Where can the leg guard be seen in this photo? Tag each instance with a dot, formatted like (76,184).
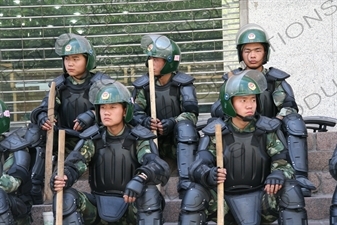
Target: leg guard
(6,216)
(38,175)
(150,207)
(296,134)
(71,214)
(193,206)
(333,208)
(292,204)
(187,139)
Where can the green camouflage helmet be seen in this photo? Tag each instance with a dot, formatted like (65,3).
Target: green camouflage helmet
(252,33)
(160,46)
(71,44)
(4,118)
(114,92)
(249,82)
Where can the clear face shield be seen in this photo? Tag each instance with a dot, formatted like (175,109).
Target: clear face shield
(157,46)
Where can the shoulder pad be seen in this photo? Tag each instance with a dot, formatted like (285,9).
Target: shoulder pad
(142,133)
(210,128)
(13,142)
(141,81)
(267,124)
(277,74)
(236,71)
(182,79)
(99,76)
(91,133)
(59,81)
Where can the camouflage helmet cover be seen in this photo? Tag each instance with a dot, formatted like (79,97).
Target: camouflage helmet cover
(108,92)
(4,118)
(71,44)
(249,82)
(252,33)
(160,46)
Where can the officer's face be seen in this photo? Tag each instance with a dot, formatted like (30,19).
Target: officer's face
(158,64)
(75,64)
(112,115)
(253,55)
(245,105)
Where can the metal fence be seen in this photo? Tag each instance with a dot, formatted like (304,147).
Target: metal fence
(204,29)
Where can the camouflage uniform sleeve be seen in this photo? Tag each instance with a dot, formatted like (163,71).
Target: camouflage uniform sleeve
(274,147)
(143,147)
(187,116)
(212,146)
(9,183)
(278,96)
(87,151)
(140,99)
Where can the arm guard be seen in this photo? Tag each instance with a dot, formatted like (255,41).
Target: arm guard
(20,167)
(156,169)
(189,99)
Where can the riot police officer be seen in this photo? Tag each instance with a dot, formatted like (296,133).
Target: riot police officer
(15,183)
(278,101)
(259,183)
(73,111)
(176,105)
(123,165)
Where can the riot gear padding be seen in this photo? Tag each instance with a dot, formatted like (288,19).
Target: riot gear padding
(114,93)
(193,206)
(252,33)
(20,167)
(249,82)
(71,44)
(333,208)
(251,200)
(156,169)
(160,46)
(292,204)
(4,118)
(70,203)
(6,216)
(150,207)
(333,165)
(187,143)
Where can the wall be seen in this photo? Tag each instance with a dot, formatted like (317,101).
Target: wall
(303,35)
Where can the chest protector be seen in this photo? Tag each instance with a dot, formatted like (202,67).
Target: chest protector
(246,161)
(168,102)
(114,164)
(74,98)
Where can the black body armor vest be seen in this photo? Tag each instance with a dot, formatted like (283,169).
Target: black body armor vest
(114,164)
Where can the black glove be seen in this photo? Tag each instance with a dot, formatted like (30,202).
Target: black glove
(42,118)
(168,125)
(212,178)
(276,177)
(135,187)
(147,122)
(86,119)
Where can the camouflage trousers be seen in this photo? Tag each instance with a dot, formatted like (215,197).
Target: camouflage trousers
(90,213)
(269,209)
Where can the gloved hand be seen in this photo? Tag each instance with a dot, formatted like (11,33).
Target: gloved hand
(86,119)
(42,118)
(276,177)
(147,122)
(168,125)
(135,187)
(213,177)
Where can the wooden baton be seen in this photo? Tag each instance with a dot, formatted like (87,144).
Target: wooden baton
(60,173)
(219,163)
(48,195)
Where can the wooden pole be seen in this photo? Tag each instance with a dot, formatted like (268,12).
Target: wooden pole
(219,163)
(60,173)
(48,195)
(152,95)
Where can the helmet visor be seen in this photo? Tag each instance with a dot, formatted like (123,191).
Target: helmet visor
(156,46)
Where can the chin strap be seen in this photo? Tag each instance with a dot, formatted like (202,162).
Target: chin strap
(246,118)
